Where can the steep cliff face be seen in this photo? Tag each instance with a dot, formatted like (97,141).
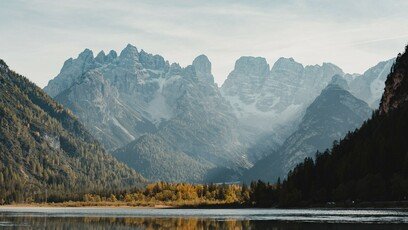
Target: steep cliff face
(43,146)
(253,89)
(396,86)
(117,100)
(178,111)
(202,68)
(245,81)
(71,71)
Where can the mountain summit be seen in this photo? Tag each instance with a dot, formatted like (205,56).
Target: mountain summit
(202,67)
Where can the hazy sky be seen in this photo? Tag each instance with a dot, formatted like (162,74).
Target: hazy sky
(37,36)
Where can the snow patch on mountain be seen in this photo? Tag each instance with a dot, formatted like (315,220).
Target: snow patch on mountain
(370,85)
(158,109)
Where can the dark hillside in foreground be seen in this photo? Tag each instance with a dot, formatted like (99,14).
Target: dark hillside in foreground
(45,150)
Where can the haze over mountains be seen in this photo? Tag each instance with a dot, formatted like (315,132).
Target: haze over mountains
(173,123)
(331,115)
(370,86)
(270,102)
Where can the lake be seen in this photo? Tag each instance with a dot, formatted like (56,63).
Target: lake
(146,218)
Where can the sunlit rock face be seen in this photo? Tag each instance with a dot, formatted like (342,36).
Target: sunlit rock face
(147,109)
(116,97)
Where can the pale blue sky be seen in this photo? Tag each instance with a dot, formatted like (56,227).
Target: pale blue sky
(37,36)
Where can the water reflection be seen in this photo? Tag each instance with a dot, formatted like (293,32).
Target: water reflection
(44,222)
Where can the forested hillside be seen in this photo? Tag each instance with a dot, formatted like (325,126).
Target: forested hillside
(45,151)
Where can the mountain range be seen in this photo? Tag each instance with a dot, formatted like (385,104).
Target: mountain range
(168,122)
(173,123)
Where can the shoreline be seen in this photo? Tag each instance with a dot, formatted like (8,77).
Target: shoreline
(61,205)
(159,206)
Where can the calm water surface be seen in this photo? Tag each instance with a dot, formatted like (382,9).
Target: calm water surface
(127,218)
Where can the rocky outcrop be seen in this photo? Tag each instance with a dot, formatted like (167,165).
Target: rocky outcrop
(396,86)
(71,71)
(202,68)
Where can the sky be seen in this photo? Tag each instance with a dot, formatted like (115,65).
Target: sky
(37,36)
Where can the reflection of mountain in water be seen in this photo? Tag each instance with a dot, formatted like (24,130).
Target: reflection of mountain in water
(122,223)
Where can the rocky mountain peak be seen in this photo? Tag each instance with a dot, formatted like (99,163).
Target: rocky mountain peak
(246,79)
(287,63)
(150,61)
(330,65)
(111,55)
(252,66)
(175,69)
(100,58)
(86,54)
(70,72)
(203,68)
(396,85)
(339,81)
(103,58)
(130,51)
(85,59)
(202,64)
(129,59)
(329,68)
